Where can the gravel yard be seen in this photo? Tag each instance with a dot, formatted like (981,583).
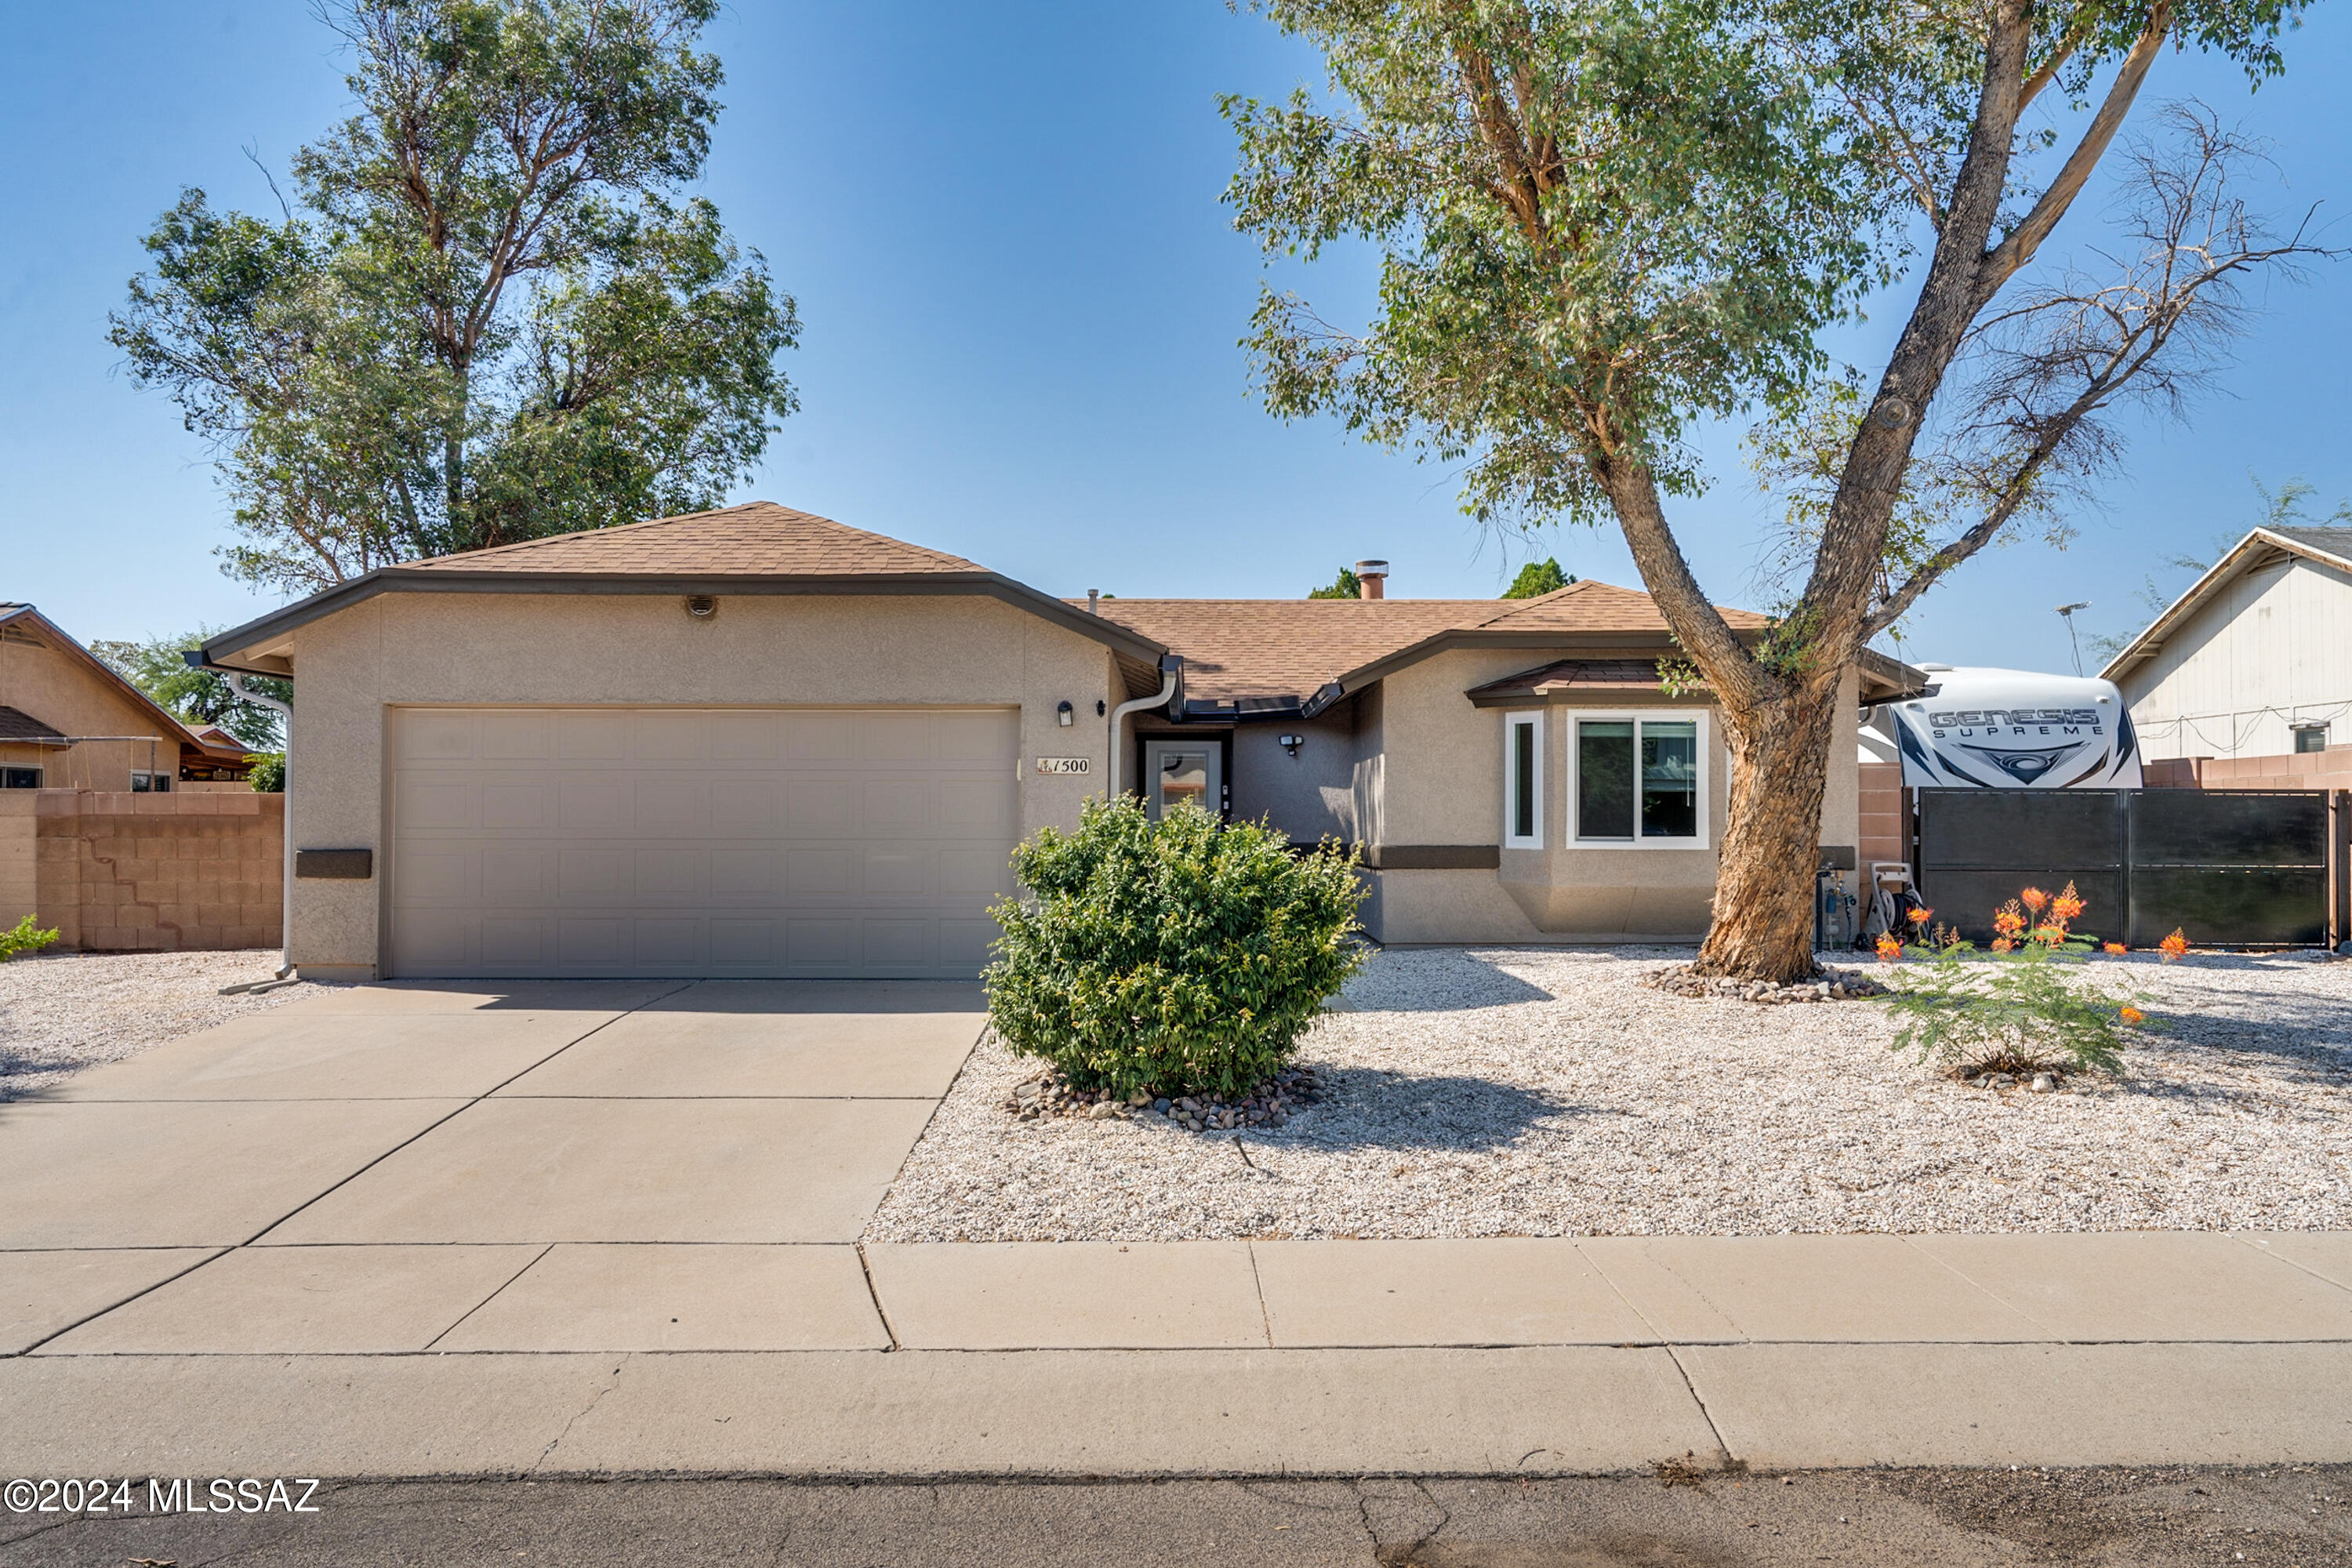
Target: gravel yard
(61,1013)
(1531,1093)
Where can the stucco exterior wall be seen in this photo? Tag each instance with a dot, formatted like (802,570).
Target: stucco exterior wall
(2266,652)
(532,649)
(1310,796)
(62,692)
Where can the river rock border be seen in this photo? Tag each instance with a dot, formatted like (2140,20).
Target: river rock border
(1270,1104)
(1835,985)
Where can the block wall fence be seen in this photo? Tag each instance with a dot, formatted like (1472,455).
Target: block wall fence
(116,872)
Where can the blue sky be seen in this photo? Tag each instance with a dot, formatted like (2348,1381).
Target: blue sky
(1022,298)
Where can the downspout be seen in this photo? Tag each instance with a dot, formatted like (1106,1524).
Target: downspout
(286,818)
(1171,670)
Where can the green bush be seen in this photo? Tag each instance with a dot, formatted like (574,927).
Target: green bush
(2016,1010)
(268,774)
(23,939)
(1181,956)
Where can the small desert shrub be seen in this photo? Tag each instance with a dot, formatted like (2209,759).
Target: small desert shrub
(1178,956)
(2017,1009)
(23,938)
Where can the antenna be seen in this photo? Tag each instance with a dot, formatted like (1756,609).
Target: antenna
(2067,612)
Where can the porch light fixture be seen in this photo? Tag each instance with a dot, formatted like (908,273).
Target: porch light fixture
(1291,743)
(701,607)
(1064,716)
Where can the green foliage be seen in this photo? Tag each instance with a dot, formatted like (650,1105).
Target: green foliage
(268,774)
(23,938)
(490,315)
(1178,956)
(1536,578)
(1348,586)
(2018,1007)
(200,697)
(1682,226)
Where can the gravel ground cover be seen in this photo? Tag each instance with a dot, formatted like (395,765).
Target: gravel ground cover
(1533,1092)
(61,1013)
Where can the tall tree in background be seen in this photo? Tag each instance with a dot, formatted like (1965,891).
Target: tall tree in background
(1604,220)
(200,697)
(1538,578)
(492,315)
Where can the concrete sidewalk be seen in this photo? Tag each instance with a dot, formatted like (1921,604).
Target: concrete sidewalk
(1528,1356)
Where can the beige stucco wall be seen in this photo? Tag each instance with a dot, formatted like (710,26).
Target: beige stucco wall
(1444,784)
(64,694)
(548,649)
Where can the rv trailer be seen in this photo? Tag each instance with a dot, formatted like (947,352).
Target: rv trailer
(2012,729)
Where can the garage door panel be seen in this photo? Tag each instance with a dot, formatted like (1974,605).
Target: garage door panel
(821,736)
(592,734)
(738,873)
(436,737)
(438,804)
(754,842)
(593,805)
(526,875)
(665,875)
(516,736)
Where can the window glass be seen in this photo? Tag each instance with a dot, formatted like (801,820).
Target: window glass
(2311,737)
(1523,780)
(1605,778)
(1184,775)
(1669,778)
(20,778)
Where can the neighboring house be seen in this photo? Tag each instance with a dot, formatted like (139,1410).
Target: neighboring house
(753,741)
(2254,660)
(69,722)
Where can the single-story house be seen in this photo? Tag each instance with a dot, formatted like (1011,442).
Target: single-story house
(753,741)
(68,720)
(2253,660)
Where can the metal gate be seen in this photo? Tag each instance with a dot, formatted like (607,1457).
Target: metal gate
(2229,868)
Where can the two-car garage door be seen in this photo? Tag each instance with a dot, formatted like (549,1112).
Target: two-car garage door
(705,841)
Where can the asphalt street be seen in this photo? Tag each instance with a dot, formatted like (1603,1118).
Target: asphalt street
(2150,1518)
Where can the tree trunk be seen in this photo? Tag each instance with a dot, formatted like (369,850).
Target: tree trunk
(1763,924)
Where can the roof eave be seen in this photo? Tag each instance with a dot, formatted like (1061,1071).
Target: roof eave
(2150,642)
(223,652)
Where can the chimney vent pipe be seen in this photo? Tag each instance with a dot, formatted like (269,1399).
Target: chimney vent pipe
(1372,579)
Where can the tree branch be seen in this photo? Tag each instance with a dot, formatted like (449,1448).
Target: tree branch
(2014,252)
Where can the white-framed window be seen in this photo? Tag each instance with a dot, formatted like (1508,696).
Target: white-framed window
(1523,781)
(1640,779)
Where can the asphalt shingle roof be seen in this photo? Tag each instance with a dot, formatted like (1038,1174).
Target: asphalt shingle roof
(1235,648)
(758,539)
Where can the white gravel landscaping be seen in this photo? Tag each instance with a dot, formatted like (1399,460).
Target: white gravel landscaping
(61,1013)
(1532,1093)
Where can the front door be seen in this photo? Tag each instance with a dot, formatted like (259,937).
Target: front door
(1177,771)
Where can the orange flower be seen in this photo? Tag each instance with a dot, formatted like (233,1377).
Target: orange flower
(2174,946)
(2035,899)
(2007,921)
(1889,950)
(2003,944)
(2050,935)
(1921,917)
(2132,1016)
(2117,948)
(2067,905)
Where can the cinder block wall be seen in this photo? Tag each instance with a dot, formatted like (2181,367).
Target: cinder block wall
(2330,769)
(116,872)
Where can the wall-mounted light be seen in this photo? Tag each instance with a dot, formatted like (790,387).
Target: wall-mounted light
(1064,716)
(701,607)
(1101,707)
(1291,743)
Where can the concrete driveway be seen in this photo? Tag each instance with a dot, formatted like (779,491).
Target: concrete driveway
(532,1166)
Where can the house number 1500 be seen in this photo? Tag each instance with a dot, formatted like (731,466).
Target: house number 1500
(1064,765)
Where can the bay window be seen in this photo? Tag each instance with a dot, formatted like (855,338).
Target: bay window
(1639,780)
